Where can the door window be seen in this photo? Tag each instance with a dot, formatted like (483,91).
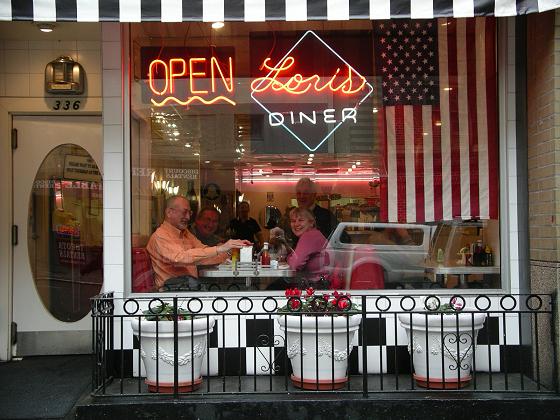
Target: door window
(65,232)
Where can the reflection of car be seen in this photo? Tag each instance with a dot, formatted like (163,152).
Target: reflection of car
(379,255)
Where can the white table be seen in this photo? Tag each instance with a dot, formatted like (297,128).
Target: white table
(463,271)
(247,271)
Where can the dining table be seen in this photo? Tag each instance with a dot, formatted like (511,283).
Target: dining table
(249,271)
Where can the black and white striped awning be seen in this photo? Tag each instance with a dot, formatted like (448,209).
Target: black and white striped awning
(259,10)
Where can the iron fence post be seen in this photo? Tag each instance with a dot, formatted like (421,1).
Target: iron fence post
(364,349)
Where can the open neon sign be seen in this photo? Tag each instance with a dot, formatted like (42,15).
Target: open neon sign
(163,76)
(282,79)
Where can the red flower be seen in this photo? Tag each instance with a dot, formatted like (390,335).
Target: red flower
(343,303)
(294,303)
(293,292)
(310,291)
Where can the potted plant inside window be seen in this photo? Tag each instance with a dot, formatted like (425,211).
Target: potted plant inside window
(441,341)
(320,331)
(156,334)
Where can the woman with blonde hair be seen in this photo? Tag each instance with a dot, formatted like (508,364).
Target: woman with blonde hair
(309,258)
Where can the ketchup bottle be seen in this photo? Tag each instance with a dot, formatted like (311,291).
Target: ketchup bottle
(265,255)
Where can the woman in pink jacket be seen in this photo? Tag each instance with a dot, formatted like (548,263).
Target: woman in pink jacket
(309,258)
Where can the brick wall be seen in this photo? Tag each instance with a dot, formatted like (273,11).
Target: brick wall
(543,103)
(543,122)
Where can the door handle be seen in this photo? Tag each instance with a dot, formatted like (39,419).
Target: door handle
(14,235)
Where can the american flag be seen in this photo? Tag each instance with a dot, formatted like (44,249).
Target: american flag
(438,119)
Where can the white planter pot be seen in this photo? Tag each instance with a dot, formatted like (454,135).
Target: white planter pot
(318,348)
(159,363)
(444,359)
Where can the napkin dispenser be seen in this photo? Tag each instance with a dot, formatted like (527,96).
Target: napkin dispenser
(246,254)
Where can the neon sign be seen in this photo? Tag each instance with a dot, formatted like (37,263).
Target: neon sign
(208,81)
(285,80)
(298,84)
(328,116)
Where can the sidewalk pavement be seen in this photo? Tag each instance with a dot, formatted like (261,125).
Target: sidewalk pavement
(43,387)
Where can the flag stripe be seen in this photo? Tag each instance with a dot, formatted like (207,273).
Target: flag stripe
(419,162)
(428,163)
(463,122)
(392,193)
(409,163)
(491,108)
(472,92)
(453,119)
(398,128)
(446,198)
(437,166)
(383,170)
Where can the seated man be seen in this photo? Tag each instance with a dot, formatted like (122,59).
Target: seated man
(205,226)
(175,252)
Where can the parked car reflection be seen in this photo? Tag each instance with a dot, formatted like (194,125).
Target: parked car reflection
(379,255)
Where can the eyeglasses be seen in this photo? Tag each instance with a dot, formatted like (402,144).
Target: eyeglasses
(184,212)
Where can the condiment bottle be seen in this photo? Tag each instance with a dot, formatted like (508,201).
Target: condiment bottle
(265,255)
(489,256)
(440,256)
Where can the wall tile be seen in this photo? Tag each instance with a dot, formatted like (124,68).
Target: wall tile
(113,195)
(16,61)
(113,166)
(66,45)
(112,83)
(113,138)
(111,55)
(93,84)
(16,45)
(88,45)
(90,61)
(111,32)
(17,85)
(38,60)
(41,45)
(113,250)
(37,85)
(113,222)
(112,110)
(113,275)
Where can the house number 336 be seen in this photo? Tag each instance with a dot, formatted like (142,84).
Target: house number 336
(66,105)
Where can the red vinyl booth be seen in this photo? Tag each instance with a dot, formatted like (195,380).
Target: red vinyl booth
(142,273)
(367,276)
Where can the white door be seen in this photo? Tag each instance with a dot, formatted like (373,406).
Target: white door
(58,211)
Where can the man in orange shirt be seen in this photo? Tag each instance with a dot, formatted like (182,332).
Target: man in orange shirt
(175,252)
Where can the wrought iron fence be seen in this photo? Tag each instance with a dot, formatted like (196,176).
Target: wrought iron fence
(360,344)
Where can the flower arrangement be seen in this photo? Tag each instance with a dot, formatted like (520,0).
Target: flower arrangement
(433,304)
(165,312)
(333,304)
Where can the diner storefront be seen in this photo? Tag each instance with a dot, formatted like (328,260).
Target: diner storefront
(411,122)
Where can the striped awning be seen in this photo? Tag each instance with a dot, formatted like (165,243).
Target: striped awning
(259,10)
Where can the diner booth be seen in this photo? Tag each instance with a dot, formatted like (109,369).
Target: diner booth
(403,121)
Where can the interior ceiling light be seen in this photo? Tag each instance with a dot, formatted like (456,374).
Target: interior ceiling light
(45,27)
(217,25)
